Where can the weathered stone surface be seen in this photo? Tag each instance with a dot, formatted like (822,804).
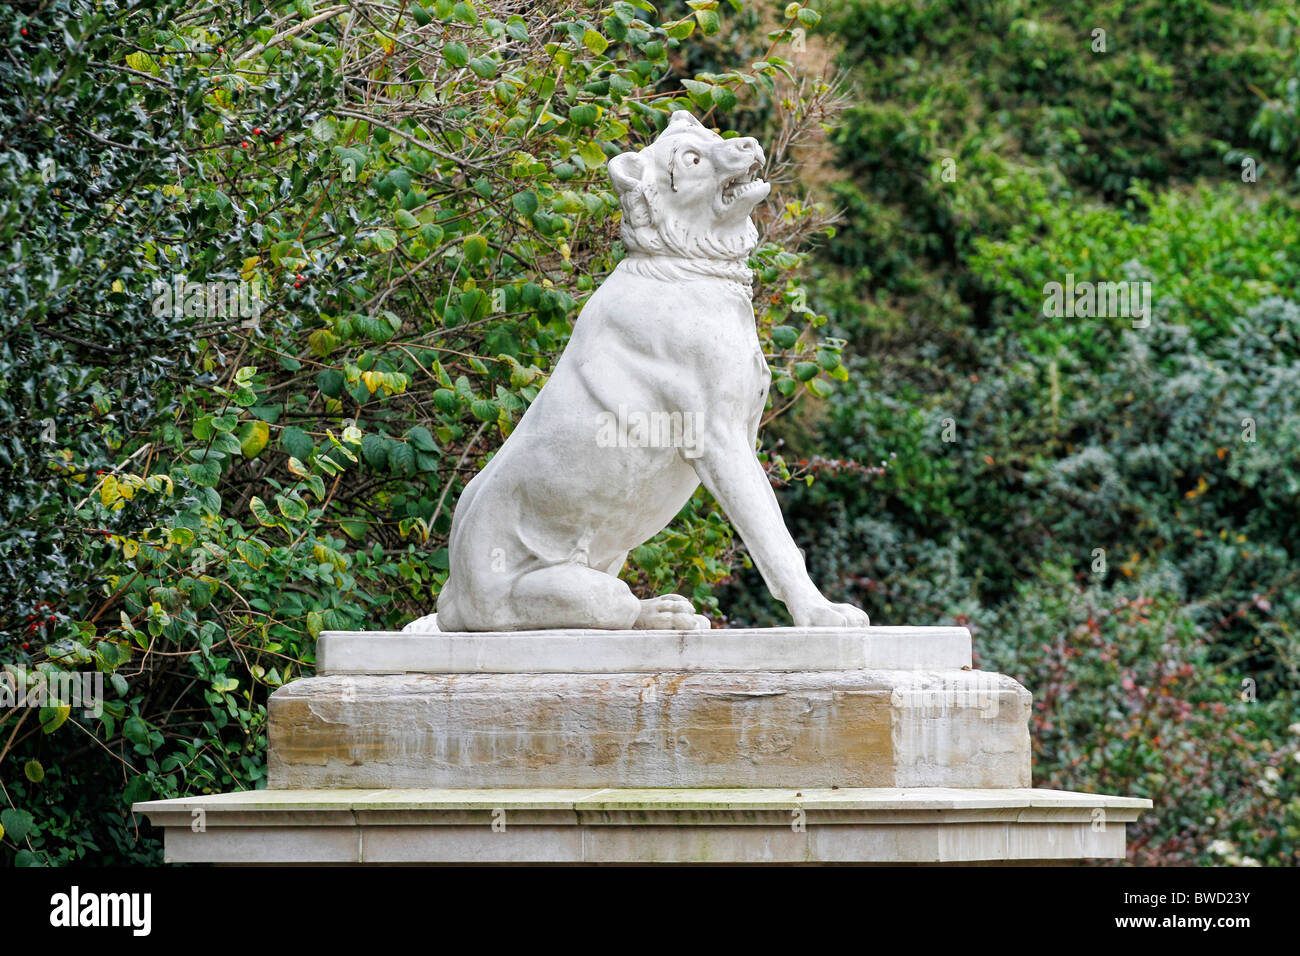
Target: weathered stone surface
(660,389)
(577,651)
(781,826)
(847,728)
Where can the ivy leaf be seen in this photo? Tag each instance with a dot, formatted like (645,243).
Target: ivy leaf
(456,54)
(295,441)
(252,552)
(420,438)
(431,234)
(476,248)
(295,509)
(253,437)
(17,824)
(484,67)
(401,458)
(330,381)
(263,515)
(374,449)
(135,730)
(517,28)
(785,336)
(444,399)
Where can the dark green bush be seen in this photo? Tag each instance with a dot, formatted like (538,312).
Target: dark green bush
(421,203)
(1092,467)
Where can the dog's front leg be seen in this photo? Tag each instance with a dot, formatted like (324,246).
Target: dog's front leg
(733,475)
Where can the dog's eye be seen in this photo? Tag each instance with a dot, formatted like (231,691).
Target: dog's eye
(693,158)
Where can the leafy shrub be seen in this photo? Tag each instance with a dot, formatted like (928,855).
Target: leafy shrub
(417,196)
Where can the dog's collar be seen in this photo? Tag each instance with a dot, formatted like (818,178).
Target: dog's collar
(678,268)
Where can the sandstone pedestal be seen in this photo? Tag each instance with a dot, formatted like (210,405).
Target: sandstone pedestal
(787,745)
(776,707)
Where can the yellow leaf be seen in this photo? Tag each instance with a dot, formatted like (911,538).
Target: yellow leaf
(108,491)
(253,437)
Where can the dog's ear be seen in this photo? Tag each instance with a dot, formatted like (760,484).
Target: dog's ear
(625,171)
(684,118)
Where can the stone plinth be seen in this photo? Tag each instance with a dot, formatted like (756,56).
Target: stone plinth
(785,745)
(772,826)
(747,649)
(782,707)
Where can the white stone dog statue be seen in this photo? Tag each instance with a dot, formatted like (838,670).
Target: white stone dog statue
(661,387)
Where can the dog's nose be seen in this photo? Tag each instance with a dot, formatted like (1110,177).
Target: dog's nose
(750,145)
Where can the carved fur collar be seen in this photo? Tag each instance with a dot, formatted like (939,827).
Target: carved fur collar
(682,268)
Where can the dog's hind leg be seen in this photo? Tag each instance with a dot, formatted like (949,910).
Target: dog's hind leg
(573,595)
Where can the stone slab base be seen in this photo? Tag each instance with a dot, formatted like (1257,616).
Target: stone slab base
(822,728)
(747,649)
(747,826)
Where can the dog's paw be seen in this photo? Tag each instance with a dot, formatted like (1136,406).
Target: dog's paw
(670,612)
(828,614)
(423,625)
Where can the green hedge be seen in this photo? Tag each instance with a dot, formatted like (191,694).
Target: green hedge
(417,195)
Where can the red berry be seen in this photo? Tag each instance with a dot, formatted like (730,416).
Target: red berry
(279,140)
(24,31)
(297,285)
(257,131)
(221,49)
(25,644)
(244,144)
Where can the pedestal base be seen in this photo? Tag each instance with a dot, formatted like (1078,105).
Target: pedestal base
(864,826)
(763,707)
(774,745)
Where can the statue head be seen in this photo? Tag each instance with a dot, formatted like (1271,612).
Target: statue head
(690,192)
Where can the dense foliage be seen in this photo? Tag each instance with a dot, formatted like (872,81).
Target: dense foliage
(411,199)
(1107,501)
(413,203)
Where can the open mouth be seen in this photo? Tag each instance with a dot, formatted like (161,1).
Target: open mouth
(739,186)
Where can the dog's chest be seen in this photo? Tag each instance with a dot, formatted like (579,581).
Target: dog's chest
(738,368)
